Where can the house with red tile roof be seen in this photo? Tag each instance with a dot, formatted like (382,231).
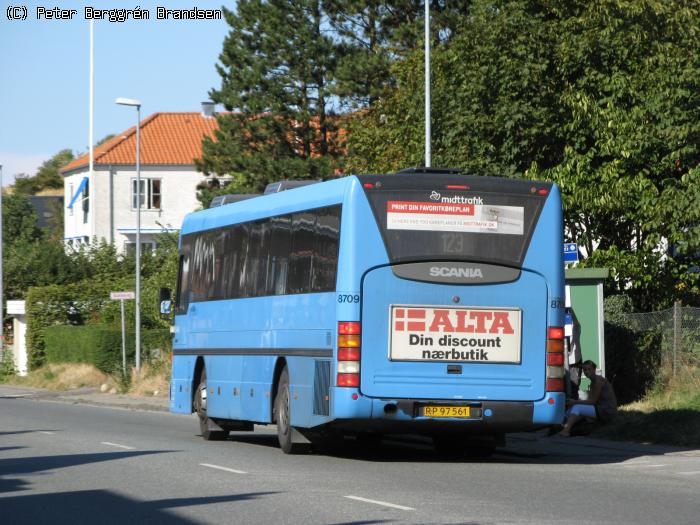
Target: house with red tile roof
(105,207)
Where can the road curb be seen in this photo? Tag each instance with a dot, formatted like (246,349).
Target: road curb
(136,404)
(592,443)
(87,396)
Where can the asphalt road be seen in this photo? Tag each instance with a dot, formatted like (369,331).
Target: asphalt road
(76,463)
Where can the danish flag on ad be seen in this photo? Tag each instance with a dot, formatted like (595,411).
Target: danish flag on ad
(410,319)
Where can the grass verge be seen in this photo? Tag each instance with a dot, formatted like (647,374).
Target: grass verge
(152,381)
(669,414)
(63,376)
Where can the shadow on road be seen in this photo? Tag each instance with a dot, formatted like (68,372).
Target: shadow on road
(369,522)
(415,449)
(11,432)
(103,506)
(38,464)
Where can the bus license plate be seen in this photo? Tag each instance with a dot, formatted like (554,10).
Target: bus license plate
(446,411)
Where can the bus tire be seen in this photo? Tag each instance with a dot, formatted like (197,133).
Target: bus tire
(209,429)
(285,431)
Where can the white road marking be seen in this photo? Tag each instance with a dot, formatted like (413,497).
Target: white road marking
(656,465)
(117,445)
(46,432)
(225,469)
(691,473)
(384,503)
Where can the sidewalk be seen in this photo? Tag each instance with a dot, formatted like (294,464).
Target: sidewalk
(88,396)
(586,448)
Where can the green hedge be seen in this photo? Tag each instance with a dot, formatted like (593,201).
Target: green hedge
(99,346)
(61,305)
(632,359)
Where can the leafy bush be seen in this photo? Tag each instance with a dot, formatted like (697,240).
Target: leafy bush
(7,364)
(87,302)
(632,359)
(57,305)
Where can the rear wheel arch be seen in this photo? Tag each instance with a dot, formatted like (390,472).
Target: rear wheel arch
(280,365)
(198,367)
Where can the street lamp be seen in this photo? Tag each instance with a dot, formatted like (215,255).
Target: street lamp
(137,105)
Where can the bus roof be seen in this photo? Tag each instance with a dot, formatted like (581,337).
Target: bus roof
(333,191)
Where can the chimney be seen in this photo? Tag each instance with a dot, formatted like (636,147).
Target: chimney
(208,108)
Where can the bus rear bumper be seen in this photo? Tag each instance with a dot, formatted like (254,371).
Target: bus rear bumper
(496,416)
(550,410)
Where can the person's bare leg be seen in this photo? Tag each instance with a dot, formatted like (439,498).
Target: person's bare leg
(570,422)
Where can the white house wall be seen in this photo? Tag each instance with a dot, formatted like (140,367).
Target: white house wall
(73,226)
(110,199)
(178,198)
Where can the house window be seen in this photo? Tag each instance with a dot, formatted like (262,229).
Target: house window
(150,194)
(86,203)
(146,247)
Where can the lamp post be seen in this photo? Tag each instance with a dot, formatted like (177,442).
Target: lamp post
(137,104)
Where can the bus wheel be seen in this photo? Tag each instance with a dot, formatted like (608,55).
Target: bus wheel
(285,432)
(209,430)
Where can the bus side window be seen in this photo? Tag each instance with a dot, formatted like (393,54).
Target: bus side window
(256,259)
(280,247)
(326,245)
(241,242)
(300,260)
(183,283)
(203,265)
(227,277)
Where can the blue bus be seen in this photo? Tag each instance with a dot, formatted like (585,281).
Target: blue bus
(423,302)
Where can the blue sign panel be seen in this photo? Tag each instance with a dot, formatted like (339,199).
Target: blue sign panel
(570,252)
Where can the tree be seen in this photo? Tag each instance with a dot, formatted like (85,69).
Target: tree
(47,176)
(493,100)
(630,78)
(277,72)
(19,220)
(37,262)
(598,97)
(289,67)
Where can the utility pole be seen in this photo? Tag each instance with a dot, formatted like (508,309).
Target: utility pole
(428,160)
(2,291)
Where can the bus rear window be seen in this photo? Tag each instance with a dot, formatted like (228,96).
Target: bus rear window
(419,225)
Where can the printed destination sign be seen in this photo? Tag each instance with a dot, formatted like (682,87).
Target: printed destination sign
(455,217)
(480,335)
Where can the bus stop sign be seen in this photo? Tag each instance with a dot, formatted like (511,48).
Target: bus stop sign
(570,252)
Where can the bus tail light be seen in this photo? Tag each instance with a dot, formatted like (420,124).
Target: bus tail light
(555,385)
(349,354)
(555,359)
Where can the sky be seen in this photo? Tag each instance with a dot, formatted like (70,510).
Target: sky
(169,65)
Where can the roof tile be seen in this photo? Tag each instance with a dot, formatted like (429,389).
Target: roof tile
(166,139)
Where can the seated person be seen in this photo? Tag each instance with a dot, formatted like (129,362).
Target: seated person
(600,404)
